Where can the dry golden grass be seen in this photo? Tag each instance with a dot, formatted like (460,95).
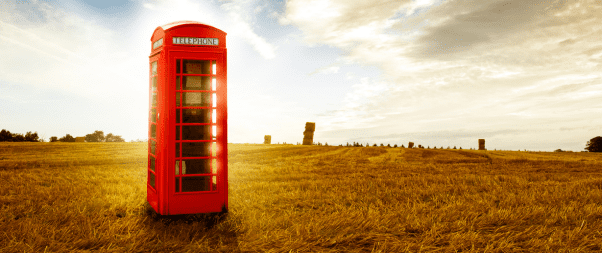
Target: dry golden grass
(58,197)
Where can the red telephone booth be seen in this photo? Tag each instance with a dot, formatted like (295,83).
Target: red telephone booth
(188,152)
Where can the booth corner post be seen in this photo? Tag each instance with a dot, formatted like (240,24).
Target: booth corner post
(188,120)
(308,134)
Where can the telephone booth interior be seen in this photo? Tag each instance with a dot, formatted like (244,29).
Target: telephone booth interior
(187,153)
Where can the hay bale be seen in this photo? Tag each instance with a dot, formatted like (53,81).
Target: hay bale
(310,126)
(481,144)
(307,141)
(267,139)
(410,145)
(308,134)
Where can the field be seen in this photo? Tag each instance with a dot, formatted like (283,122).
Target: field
(57,197)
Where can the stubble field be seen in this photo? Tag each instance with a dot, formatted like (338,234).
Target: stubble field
(57,197)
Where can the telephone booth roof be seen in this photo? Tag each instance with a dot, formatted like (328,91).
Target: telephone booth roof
(187,29)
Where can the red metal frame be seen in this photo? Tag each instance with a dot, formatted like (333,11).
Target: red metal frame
(167,196)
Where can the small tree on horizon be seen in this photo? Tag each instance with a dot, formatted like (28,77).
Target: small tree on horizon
(113,138)
(67,138)
(5,135)
(594,145)
(97,136)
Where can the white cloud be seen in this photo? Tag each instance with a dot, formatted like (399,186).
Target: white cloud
(61,51)
(237,11)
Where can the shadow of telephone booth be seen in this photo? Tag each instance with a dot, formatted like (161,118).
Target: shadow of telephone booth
(188,152)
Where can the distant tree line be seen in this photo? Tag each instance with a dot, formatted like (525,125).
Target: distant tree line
(13,137)
(593,145)
(99,136)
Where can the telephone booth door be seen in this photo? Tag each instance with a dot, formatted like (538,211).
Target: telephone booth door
(199,131)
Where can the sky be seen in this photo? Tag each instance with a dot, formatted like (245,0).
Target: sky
(520,74)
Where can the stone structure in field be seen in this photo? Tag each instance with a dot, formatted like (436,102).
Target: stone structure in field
(482,144)
(267,139)
(80,139)
(410,145)
(308,135)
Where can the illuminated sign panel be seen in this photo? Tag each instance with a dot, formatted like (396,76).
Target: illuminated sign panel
(195,41)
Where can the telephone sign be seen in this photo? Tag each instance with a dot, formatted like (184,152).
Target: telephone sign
(188,120)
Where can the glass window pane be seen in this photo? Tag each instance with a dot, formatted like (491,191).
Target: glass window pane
(214,149)
(177,149)
(151,179)
(214,116)
(214,130)
(196,166)
(154,83)
(193,184)
(178,66)
(213,84)
(214,183)
(177,82)
(214,166)
(195,149)
(201,99)
(214,100)
(177,133)
(196,83)
(177,167)
(154,68)
(196,132)
(153,144)
(153,115)
(178,116)
(153,130)
(152,163)
(154,100)
(196,115)
(177,184)
(214,67)
(178,99)
(197,67)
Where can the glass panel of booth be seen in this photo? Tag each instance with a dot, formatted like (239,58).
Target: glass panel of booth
(196,132)
(196,83)
(200,99)
(193,184)
(196,166)
(152,163)
(196,66)
(151,179)
(196,115)
(196,149)
(152,146)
